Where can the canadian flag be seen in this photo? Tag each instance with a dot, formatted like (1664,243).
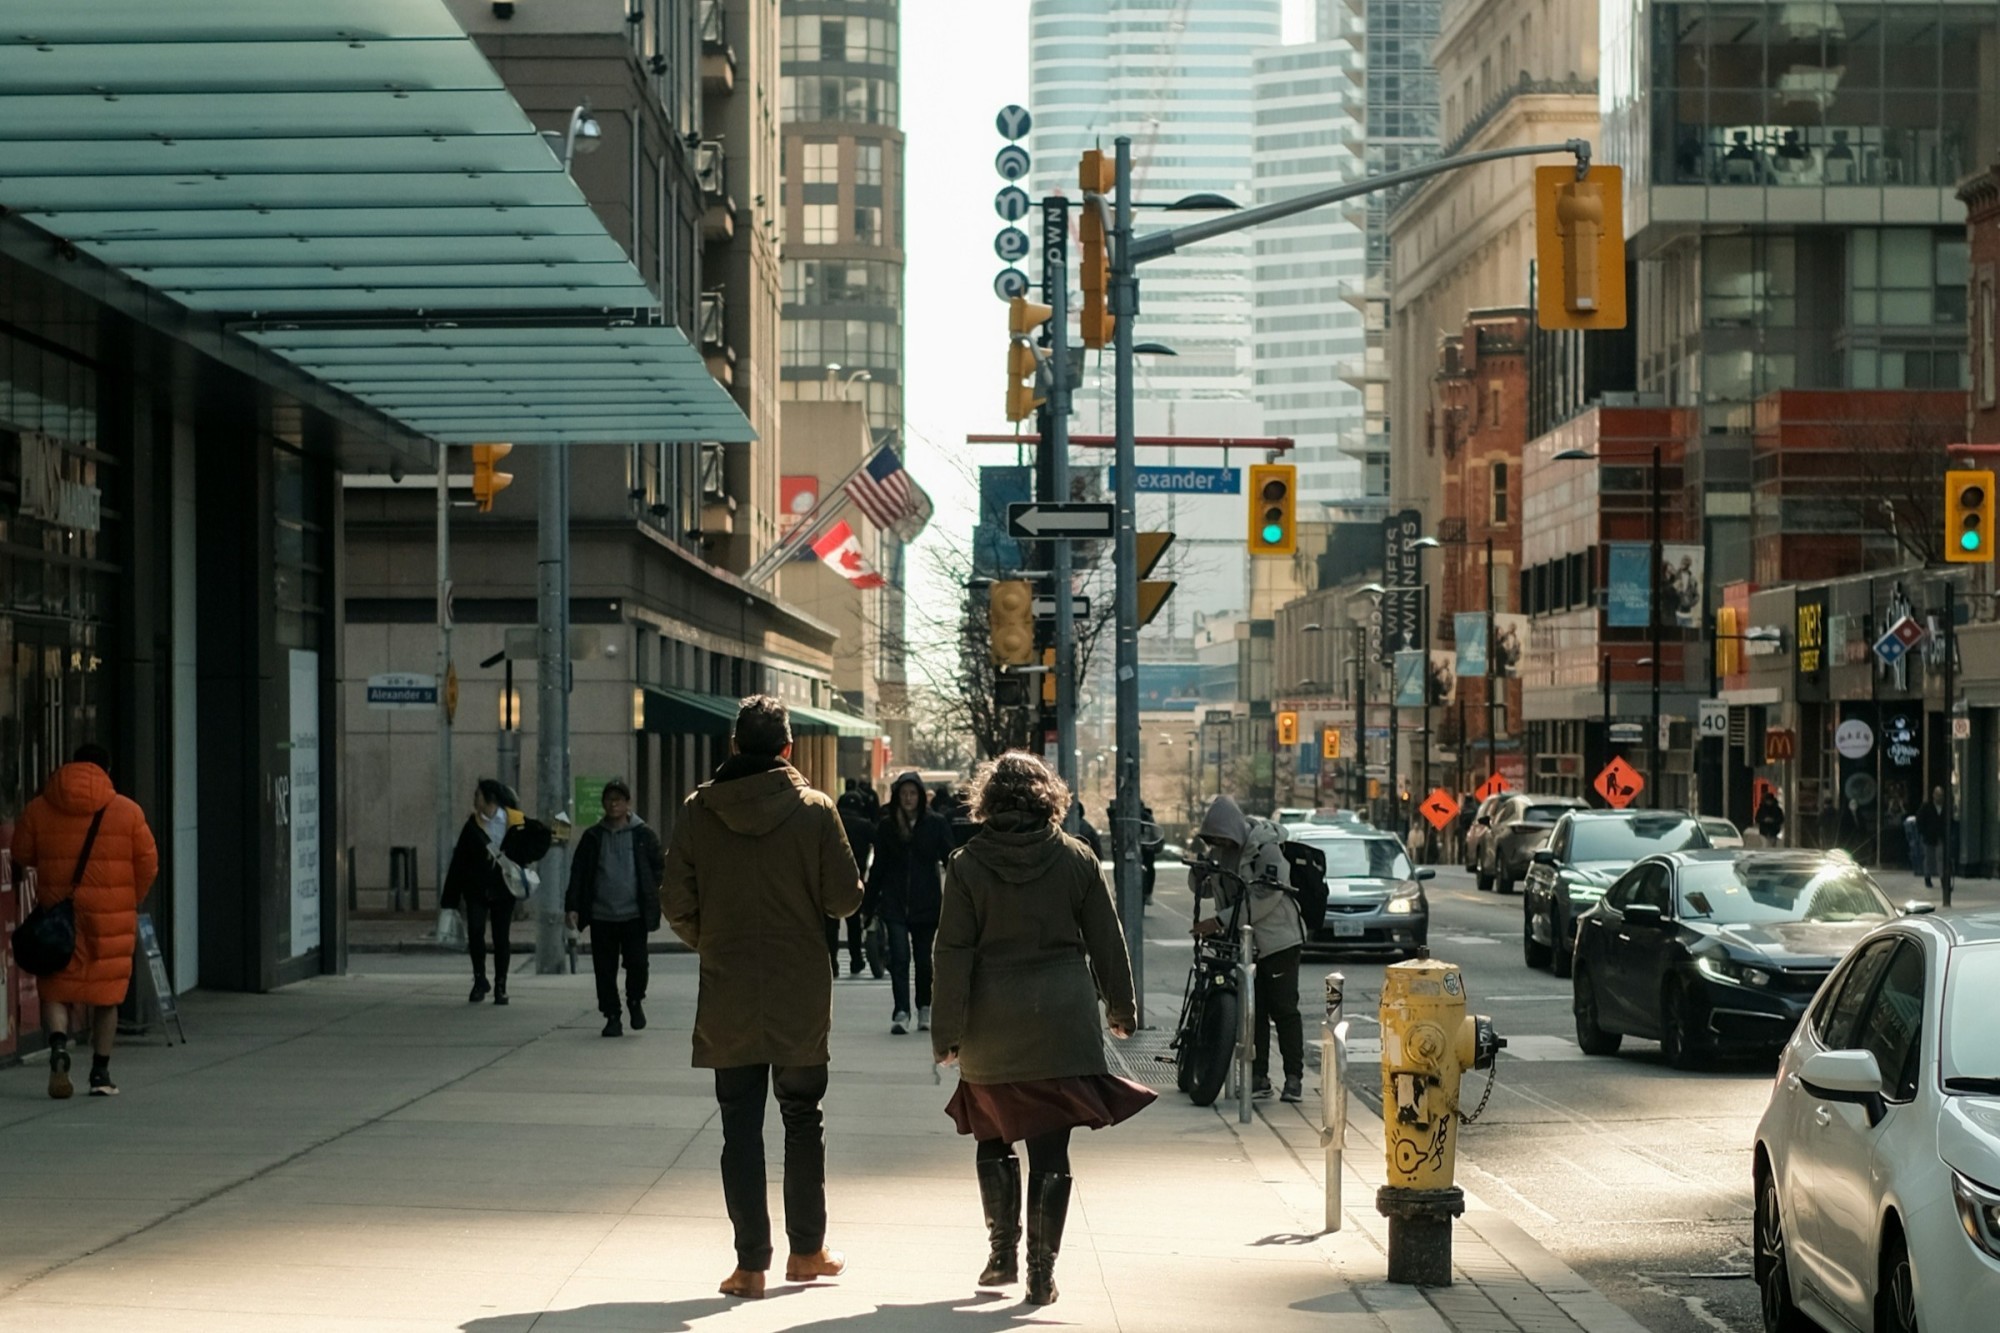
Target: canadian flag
(841,550)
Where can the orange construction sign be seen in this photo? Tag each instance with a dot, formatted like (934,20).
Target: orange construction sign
(1493,786)
(1439,807)
(1619,784)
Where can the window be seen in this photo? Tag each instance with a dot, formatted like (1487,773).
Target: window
(868,164)
(1500,489)
(868,226)
(833,39)
(1841,1003)
(822,163)
(1891,1027)
(822,224)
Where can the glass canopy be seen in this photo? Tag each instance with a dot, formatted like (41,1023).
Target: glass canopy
(351,187)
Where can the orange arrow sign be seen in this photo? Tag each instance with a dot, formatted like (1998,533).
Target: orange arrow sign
(1439,808)
(1619,784)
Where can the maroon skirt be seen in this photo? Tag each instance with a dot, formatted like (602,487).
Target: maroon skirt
(1029,1109)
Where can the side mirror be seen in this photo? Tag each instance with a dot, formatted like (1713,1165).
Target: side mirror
(1916,907)
(1545,857)
(1643,915)
(1845,1076)
(1424,873)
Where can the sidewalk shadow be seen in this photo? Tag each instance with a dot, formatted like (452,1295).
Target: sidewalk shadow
(988,1313)
(619,1316)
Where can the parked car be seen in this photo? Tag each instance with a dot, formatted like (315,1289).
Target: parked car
(1518,827)
(1721,833)
(1287,815)
(1588,850)
(1482,821)
(1706,952)
(1374,896)
(1877,1165)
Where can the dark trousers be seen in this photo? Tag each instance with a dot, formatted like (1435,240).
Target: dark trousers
(904,941)
(480,915)
(1278,1003)
(611,941)
(741,1093)
(1046,1152)
(853,943)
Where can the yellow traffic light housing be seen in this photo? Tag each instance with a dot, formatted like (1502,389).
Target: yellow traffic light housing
(1096,176)
(1288,728)
(1048,678)
(1580,248)
(1010,618)
(1024,360)
(487,482)
(1968,516)
(1274,500)
(1329,743)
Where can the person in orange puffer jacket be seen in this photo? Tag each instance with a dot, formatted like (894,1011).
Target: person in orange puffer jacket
(124,861)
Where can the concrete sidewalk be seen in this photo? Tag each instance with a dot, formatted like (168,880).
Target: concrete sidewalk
(371,1152)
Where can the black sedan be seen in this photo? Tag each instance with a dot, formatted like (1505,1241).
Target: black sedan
(1587,852)
(1717,950)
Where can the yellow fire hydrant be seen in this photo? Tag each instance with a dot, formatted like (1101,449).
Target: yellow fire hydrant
(1428,1042)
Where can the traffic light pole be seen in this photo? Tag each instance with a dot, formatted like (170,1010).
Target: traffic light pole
(449,803)
(1057,443)
(552,701)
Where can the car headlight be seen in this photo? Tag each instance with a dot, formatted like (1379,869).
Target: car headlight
(1580,892)
(1737,974)
(1978,1212)
(1402,904)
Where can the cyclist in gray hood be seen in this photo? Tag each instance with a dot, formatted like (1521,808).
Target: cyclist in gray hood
(1250,848)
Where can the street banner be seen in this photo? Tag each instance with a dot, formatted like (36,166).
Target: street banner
(1683,585)
(1629,597)
(1409,677)
(1510,643)
(1443,678)
(798,496)
(1401,568)
(1468,632)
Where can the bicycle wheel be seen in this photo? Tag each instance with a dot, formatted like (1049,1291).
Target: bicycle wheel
(1214,1047)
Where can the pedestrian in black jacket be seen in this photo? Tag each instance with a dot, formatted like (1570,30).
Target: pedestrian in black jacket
(854,806)
(614,892)
(475,886)
(905,888)
(1930,827)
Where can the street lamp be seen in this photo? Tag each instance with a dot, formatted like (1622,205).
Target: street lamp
(580,138)
(1652,606)
(1423,605)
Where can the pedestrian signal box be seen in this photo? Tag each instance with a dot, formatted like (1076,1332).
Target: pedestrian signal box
(1010,614)
(487,480)
(1580,248)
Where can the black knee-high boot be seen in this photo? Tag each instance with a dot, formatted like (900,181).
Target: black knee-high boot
(1048,1208)
(1000,1196)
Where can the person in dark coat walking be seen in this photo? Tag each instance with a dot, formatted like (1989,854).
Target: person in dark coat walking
(1770,818)
(614,893)
(757,864)
(1930,827)
(475,886)
(1028,944)
(904,886)
(859,825)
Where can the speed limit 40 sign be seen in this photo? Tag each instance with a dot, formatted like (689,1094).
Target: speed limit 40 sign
(1714,719)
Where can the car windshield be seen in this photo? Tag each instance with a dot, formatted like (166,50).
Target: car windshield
(1364,858)
(1748,892)
(1720,828)
(1629,839)
(1971,998)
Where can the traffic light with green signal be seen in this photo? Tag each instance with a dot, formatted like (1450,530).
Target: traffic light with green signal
(1274,504)
(487,481)
(1968,516)
(1010,622)
(1024,359)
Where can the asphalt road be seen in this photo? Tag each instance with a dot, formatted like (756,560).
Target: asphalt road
(1635,1175)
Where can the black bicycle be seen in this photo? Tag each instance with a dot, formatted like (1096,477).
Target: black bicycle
(1211,1009)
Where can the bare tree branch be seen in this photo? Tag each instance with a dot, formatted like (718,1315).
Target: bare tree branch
(1897,483)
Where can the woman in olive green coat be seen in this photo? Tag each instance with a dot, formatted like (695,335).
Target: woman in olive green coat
(1027,944)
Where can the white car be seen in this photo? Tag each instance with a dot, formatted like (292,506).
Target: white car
(1878,1159)
(1721,833)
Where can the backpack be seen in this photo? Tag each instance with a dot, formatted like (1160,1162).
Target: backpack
(1305,871)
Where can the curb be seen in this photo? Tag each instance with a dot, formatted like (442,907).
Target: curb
(423,946)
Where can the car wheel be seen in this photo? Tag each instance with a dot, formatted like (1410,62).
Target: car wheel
(1533,953)
(1772,1264)
(1562,954)
(1680,1041)
(1896,1293)
(1505,885)
(1485,881)
(1590,1034)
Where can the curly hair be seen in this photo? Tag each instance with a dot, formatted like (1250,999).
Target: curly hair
(1019,782)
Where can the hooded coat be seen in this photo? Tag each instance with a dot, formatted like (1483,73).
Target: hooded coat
(1274,913)
(124,861)
(906,882)
(756,865)
(1027,945)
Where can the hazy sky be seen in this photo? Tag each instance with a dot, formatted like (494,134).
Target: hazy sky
(963,60)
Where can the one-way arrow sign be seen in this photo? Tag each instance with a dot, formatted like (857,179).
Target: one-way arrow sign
(1062,521)
(1045,608)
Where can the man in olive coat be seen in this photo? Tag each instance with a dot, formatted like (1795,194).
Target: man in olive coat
(757,864)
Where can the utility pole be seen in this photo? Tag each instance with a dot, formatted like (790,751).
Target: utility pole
(1127,877)
(552,702)
(1950,744)
(448,802)
(1055,287)
(1361,718)
(1495,682)
(1653,776)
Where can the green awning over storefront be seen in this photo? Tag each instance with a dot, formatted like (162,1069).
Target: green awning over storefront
(818,721)
(688,713)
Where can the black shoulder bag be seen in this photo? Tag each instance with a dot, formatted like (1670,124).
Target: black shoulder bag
(45,942)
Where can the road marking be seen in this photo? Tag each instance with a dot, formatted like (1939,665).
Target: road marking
(1543,1048)
(1519,999)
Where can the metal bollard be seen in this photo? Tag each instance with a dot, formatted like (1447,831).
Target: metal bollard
(1246,982)
(1333,1090)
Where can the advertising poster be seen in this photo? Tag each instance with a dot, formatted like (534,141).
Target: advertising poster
(1468,632)
(1443,678)
(1628,597)
(304,800)
(1409,675)
(1510,644)
(1683,581)
(1400,569)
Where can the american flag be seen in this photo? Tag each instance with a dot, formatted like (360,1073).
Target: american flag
(886,493)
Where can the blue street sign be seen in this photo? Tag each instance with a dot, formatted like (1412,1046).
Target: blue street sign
(1184,480)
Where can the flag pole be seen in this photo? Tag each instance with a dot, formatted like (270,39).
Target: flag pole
(788,544)
(806,531)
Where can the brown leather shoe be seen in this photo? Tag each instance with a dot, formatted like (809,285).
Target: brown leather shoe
(744,1283)
(806,1267)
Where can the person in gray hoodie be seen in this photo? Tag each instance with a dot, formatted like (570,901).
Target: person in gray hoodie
(614,892)
(1251,848)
